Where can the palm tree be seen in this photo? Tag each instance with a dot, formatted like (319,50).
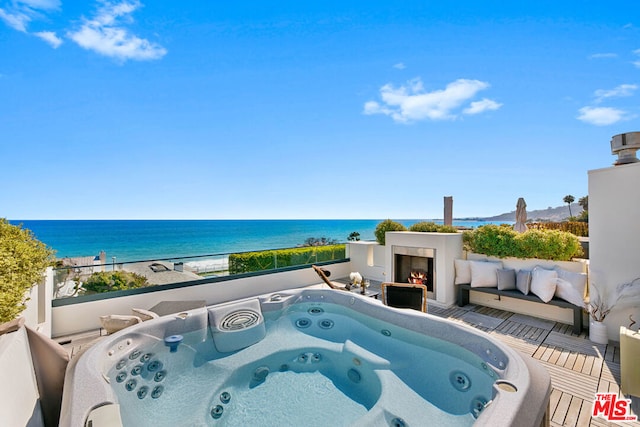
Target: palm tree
(584,202)
(568,199)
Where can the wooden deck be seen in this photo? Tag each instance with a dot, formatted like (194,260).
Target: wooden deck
(578,368)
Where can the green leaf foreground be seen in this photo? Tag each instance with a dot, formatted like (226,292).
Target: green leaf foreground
(23,261)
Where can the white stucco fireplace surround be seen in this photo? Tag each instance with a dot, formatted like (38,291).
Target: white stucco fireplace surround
(445,247)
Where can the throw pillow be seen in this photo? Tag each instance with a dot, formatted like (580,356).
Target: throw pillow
(484,274)
(506,279)
(523,281)
(543,283)
(463,271)
(570,286)
(566,291)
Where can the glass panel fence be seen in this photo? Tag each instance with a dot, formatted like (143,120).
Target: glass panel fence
(75,278)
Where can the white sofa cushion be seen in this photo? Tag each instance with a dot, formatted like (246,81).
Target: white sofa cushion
(484,274)
(463,271)
(543,283)
(570,286)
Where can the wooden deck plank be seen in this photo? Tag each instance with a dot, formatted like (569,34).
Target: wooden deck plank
(568,381)
(555,355)
(553,401)
(561,410)
(573,412)
(588,365)
(524,346)
(571,360)
(579,363)
(585,414)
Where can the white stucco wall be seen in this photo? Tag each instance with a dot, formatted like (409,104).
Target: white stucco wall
(614,234)
(368,259)
(37,314)
(19,397)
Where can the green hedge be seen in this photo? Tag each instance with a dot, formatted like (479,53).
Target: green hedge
(247,262)
(503,241)
(578,228)
(432,227)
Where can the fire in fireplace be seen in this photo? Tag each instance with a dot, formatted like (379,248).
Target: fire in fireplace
(414,265)
(418,278)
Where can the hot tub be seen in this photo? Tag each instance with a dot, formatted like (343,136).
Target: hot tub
(307,357)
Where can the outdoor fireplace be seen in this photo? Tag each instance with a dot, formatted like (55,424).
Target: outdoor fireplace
(415,265)
(413,251)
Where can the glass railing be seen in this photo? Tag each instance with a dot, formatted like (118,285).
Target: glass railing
(89,279)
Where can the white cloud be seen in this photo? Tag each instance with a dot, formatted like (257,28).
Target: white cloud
(15,19)
(603,55)
(602,116)
(399,66)
(617,92)
(19,13)
(481,106)
(411,102)
(50,37)
(106,35)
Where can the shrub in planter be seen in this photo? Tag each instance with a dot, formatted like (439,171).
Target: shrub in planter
(23,260)
(548,244)
(387,225)
(494,240)
(503,241)
(427,226)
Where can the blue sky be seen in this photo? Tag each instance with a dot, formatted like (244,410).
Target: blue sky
(290,109)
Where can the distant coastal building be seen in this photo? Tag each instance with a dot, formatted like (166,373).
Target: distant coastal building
(86,264)
(161,272)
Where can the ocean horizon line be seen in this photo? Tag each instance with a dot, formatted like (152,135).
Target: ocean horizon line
(129,240)
(247,219)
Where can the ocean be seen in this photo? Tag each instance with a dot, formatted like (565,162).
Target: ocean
(135,240)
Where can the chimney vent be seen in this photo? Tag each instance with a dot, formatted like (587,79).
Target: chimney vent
(625,146)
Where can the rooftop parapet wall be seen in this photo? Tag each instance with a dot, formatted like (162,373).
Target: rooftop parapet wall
(77,317)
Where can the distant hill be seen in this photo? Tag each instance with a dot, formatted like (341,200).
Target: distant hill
(550,214)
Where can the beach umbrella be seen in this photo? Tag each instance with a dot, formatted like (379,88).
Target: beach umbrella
(521,216)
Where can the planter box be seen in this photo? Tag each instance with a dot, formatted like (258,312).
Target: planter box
(629,367)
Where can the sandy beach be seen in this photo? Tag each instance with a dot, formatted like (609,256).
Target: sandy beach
(208,265)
